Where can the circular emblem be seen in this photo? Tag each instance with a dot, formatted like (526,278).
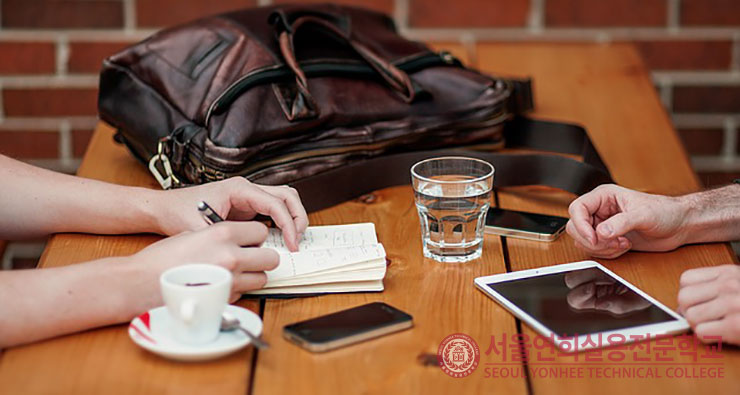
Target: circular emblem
(458,355)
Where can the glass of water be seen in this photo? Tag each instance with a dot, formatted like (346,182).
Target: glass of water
(452,196)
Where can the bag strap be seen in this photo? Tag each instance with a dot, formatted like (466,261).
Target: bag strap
(350,181)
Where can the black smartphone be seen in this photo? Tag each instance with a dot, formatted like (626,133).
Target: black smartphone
(524,225)
(347,327)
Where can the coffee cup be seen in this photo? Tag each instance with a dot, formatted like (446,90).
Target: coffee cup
(196,296)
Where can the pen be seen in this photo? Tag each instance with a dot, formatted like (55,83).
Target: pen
(212,217)
(209,214)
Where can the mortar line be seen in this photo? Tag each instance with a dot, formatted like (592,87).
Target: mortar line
(536,17)
(65,142)
(401,14)
(129,15)
(673,17)
(61,55)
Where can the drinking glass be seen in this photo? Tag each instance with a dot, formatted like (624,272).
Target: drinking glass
(452,197)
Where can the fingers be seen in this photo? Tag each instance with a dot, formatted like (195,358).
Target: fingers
(267,204)
(293,202)
(240,233)
(245,282)
(623,303)
(704,274)
(582,296)
(578,277)
(256,259)
(709,311)
(617,225)
(724,330)
(695,294)
(610,250)
(581,221)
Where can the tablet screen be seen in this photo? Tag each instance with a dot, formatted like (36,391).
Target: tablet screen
(580,302)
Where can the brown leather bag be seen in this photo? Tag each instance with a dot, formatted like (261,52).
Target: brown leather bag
(329,99)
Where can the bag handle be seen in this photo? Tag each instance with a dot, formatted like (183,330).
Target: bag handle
(512,169)
(287,28)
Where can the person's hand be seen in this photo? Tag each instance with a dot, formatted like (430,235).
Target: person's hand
(233,199)
(226,244)
(592,289)
(710,300)
(610,220)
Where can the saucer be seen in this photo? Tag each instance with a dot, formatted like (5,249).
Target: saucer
(151,332)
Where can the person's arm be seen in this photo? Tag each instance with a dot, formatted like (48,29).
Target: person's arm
(713,215)
(36,202)
(610,220)
(39,304)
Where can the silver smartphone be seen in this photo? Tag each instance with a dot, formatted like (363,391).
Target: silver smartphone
(347,327)
(519,224)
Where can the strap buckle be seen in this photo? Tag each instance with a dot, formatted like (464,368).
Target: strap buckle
(169,180)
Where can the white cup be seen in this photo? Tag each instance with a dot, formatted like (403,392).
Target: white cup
(196,296)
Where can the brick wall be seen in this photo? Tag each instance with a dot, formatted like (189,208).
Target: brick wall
(50,52)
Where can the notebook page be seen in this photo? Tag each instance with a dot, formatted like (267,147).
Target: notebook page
(325,237)
(304,262)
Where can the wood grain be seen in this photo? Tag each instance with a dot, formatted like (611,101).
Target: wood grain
(106,360)
(603,87)
(611,96)
(441,298)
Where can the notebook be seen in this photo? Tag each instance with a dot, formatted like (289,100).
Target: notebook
(330,259)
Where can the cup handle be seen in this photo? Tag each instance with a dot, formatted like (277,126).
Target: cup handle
(187,310)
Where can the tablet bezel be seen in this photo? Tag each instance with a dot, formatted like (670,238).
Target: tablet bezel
(657,329)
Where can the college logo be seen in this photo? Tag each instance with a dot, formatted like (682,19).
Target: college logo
(458,355)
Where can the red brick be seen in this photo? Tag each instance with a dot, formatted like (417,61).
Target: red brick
(87,57)
(596,13)
(62,14)
(468,13)
(710,12)
(384,6)
(722,99)
(29,144)
(702,141)
(686,54)
(27,57)
(80,140)
(50,102)
(150,13)
(716,179)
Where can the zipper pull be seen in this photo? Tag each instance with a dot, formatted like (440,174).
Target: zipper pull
(447,57)
(168,180)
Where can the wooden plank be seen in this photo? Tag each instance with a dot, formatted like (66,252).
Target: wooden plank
(440,297)
(106,360)
(605,88)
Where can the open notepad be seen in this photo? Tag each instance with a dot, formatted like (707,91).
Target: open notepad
(336,258)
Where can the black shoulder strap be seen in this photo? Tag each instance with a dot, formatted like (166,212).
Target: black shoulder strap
(350,181)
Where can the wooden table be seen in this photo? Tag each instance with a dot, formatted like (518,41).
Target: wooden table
(604,87)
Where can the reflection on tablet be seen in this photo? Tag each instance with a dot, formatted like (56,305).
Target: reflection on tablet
(580,301)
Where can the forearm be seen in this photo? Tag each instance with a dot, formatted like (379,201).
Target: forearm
(43,303)
(713,215)
(36,202)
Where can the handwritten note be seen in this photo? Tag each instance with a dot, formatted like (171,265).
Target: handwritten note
(326,237)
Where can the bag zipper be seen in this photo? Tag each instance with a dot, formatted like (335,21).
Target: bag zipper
(212,171)
(282,72)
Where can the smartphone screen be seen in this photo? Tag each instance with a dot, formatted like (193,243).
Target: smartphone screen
(525,222)
(361,323)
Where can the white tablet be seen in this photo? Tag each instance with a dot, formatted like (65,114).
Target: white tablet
(580,302)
